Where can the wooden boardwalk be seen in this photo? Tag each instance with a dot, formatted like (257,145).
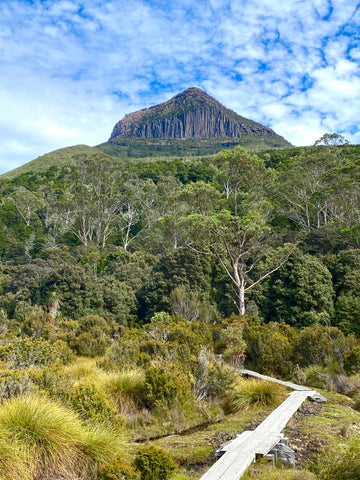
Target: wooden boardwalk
(291,385)
(243,450)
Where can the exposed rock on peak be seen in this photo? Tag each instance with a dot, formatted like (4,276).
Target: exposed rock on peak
(190,114)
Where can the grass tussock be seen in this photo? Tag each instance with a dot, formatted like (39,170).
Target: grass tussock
(253,393)
(127,382)
(12,461)
(84,368)
(43,437)
(126,388)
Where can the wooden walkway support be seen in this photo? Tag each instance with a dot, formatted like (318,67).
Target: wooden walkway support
(243,450)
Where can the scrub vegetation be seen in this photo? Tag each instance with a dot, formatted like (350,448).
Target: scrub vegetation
(130,294)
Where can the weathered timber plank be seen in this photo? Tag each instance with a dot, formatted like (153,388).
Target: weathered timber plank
(231,466)
(264,447)
(291,385)
(236,442)
(279,418)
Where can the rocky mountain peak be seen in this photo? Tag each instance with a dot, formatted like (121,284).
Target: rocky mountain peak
(190,114)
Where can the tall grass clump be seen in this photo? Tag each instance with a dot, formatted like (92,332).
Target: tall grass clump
(127,388)
(48,438)
(253,394)
(127,382)
(12,461)
(83,368)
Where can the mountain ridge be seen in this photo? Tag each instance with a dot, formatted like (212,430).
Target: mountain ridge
(190,114)
(195,123)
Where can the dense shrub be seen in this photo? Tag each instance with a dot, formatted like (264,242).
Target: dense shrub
(270,347)
(352,361)
(92,404)
(235,345)
(301,292)
(212,377)
(154,463)
(16,382)
(88,345)
(27,352)
(118,469)
(166,385)
(79,294)
(322,345)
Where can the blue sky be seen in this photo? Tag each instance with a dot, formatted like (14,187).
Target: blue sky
(71,69)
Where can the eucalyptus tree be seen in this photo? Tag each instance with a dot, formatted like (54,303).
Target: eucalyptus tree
(237,231)
(320,187)
(26,203)
(96,200)
(239,172)
(331,139)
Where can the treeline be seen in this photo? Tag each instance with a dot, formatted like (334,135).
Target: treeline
(277,235)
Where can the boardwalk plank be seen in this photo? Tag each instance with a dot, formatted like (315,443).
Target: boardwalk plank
(242,451)
(291,385)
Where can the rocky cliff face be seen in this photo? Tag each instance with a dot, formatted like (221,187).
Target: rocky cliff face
(191,114)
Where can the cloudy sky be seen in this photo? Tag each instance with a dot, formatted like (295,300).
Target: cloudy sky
(71,69)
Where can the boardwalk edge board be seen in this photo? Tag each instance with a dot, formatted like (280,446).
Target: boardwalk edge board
(266,440)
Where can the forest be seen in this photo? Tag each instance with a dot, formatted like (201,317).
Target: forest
(131,292)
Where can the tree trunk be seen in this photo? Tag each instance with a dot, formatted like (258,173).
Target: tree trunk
(241,290)
(239,278)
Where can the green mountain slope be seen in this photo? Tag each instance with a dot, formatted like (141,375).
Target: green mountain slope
(63,156)
(137,148)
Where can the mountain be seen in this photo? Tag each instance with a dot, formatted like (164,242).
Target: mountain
(192,114)
(188,125)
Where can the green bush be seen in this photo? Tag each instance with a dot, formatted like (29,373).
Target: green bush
(235,345)
(339,466)
(88,345)
(212,377)
(352,361)
(154,463)
(92,404)
(270,347)
(253,393)
(118,469)
(27,352)
(166,385)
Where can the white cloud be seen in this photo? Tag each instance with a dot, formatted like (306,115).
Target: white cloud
(71,69)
